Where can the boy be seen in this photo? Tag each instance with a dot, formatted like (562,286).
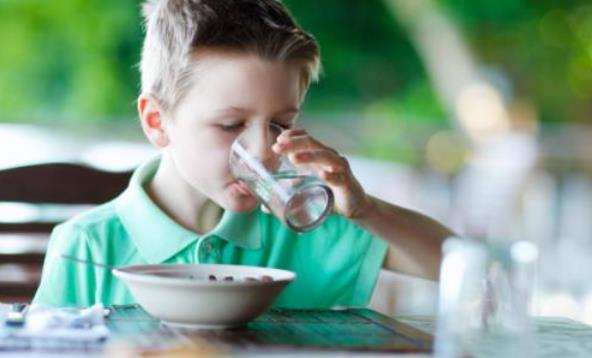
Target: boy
(211,69)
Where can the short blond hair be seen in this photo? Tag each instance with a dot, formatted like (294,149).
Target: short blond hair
(175,29)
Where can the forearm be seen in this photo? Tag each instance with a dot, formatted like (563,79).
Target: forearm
(415,239)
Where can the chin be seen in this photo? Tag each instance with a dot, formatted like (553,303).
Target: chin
(245,206)
(240,203)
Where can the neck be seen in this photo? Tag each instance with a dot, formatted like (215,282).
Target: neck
(180,201)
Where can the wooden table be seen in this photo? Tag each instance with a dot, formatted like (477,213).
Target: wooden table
(286,331)
(278,331)
(333,333)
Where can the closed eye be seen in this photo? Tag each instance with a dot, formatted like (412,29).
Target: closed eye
(231,127)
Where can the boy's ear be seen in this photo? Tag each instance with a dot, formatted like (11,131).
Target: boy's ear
(152,121)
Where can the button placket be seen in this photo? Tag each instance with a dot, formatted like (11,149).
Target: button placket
(216,250)
(204,249)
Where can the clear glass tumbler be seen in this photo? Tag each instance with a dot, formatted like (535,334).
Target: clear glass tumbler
(485,299)
(295,194)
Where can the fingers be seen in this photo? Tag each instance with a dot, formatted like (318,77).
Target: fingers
(303,149)
(334,178)
(330,161)
(333,168)
(292,132)
(295,140)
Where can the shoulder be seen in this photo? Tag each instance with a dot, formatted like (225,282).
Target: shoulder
(99,222)
(94,218)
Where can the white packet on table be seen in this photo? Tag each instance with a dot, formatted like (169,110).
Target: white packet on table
(79,324)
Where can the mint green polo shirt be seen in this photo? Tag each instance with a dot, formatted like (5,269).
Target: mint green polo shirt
(336,264)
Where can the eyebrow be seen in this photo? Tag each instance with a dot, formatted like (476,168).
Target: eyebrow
(229,109)
(233,109)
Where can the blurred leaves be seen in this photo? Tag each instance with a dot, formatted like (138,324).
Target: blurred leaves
(76,59)
(543,47)
(68,59)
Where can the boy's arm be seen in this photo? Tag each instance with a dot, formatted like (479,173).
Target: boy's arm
(414,239)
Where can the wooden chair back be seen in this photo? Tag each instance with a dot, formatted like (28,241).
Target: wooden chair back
(41,188)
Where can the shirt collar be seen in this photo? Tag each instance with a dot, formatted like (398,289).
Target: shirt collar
(158,237)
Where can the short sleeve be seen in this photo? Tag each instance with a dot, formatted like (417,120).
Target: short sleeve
(65,282)
(368,261)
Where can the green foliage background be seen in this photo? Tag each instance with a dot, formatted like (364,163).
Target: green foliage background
(76,60)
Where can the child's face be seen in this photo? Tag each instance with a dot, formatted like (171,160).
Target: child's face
(232,92)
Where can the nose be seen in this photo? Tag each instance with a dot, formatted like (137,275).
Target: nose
(262,139)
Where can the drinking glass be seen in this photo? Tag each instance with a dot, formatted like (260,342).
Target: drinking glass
(485,298)
(295,194)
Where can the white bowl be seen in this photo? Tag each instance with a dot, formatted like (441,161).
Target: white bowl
(183,295)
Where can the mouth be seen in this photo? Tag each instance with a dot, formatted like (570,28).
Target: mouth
(241,188)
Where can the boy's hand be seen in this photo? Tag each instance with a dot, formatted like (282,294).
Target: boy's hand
(350,199)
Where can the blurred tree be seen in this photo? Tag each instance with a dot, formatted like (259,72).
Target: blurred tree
(68,59)
(543,47)
(367,58)
(76,59)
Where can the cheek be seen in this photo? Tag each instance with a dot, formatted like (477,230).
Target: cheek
(203,155)
(212,154)
(218,151)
